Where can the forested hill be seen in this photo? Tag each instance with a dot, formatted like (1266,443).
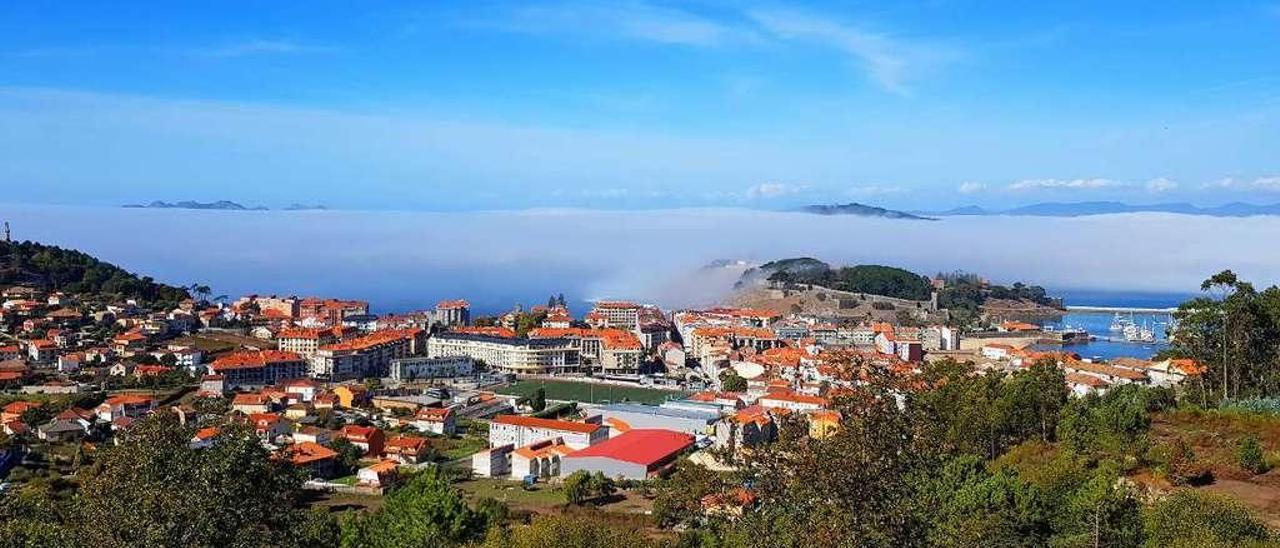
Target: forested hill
(53,268)
(886,281)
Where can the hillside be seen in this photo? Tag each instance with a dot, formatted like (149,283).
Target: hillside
(861,210)
(70,271)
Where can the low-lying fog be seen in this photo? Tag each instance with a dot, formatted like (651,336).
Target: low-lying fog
(405,260)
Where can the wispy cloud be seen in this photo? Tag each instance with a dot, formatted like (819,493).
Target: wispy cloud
(1160,185)
(890,61)
(971,187)
(774,190)
(629,20)
(875,190)
(1267,184)
(246,48)
(1070,184)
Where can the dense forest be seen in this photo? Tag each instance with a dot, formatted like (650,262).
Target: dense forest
(70,271)
(874,279)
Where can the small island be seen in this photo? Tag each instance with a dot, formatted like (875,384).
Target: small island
(222,205)
(862,210)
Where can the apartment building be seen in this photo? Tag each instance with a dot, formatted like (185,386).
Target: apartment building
(508,354)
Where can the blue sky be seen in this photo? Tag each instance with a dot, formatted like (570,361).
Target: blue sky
(480,105)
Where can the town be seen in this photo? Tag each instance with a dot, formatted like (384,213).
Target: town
(532,396)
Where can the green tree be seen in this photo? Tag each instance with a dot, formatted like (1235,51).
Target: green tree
(570,531)
(155,490)
(576,487)
(539,400)
(349,455)
(425,512)
(730,381)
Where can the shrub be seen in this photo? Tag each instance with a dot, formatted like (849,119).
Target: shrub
(1249,456)
(1194,518)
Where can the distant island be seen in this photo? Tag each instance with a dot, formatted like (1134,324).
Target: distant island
(862,210)
(224,205)
(1081,209)
(220,205)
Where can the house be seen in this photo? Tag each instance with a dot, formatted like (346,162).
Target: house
(269,426)
(298,411)
(690,418)
(749,427)
(407,449)
(351,395)
(823,424)
(213,386)
(305,389)
(1082,384)
(541,459)
(58,430)
(15,410)
(368,438)
(316,458)
(730,504)
(204,437)
(42,351)
(636,455)
(259,368)
(84,417)
(436,420)
(313,434)
(523,431)
(14,428)
(251,403)
(997,351)
(125,405)
(382,474)
(493,463)
(792,401)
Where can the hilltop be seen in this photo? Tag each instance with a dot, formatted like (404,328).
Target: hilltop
(861,210)
(56,269)
(221,205)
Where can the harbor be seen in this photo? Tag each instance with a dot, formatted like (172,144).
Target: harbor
(1113,332)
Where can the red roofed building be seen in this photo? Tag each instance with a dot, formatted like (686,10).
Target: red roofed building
(367,356)
(637,454)
(318,459)
(259,368)
(371,439)
(792,401)
(407,449)
(453,313)
(521,431)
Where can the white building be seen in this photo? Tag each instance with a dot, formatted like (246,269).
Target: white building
(508,355)
(521,431)
(409,369)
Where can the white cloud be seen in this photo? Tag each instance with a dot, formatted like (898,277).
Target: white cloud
(971,187)
(774,190)
(1161,184)
(889,61)
(875,190)
(1071,184)
(1267,184)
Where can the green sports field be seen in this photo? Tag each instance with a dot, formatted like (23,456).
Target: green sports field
(590,392)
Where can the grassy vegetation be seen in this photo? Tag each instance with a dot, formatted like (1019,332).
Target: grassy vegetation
(345,480)
(456,448)
(541,495)
(590,392)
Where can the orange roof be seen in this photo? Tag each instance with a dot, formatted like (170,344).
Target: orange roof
(411,443)
(735,331)
(1087,380)
(491,331)
(247,359)
(384,467)
(374,339)
(129,399)
(618,424)
(617,305)
(250,399)
(456,303)
(795,398)
(11,375)
(1121,372)
(20,407)
(548,424)
(207,433)
(357,432)
(308,452)
(434,413)
(545,447)
(1188,366)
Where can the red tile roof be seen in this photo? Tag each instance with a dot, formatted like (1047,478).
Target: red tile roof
(640,446)
(247,359)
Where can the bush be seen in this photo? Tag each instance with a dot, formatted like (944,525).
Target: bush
(1181,466)
(1195,518)
(1249,456)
